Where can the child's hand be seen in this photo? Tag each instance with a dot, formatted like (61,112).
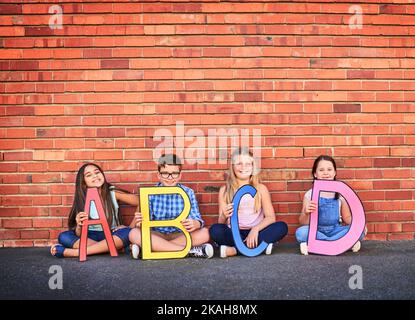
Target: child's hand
(228,210)
(311,207)
(252,238)
(191,225)
(80,218)
(138,219)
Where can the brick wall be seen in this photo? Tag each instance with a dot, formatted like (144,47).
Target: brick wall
(304,72)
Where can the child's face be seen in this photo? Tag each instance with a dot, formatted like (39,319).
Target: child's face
(93,177)
(169,175)
(243,167)
(325,170)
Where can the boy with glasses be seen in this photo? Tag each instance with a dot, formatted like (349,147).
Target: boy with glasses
(168,207)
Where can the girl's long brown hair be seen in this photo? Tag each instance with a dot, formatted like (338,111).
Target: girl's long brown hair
(231,180)
(105,193)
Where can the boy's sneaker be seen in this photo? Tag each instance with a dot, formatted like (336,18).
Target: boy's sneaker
(356,246)
(203,251)
(304,248)
(135,251)
(269,248)
(223,251)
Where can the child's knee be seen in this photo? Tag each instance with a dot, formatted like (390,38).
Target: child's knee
(203,234)
(135,235)
(67,238)
(301,234)
(200,236)
(215,230)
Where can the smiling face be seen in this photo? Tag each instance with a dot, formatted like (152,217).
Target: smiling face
(243,167)
(169,175)
(325,170)
(93,177)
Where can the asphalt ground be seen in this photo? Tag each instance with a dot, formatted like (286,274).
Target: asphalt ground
(379,271)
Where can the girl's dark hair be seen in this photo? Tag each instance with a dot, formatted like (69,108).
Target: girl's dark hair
(80,196)
(315,165)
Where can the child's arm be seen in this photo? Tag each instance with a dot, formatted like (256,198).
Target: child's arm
(80,218)
(136,222)
(131,199)
(128,198)
(308,207)
(345,212)
(194,221)
(225,209)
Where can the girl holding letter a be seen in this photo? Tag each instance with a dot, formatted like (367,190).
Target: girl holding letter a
(91,176)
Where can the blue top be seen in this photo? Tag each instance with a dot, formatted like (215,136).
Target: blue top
(93,214)
(169,206)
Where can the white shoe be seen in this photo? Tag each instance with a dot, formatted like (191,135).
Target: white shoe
(304,248)
(223,251)
(356,247)
(135,251)
(203,251)
(269,248)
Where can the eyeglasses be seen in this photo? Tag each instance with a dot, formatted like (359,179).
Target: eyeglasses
(167,175)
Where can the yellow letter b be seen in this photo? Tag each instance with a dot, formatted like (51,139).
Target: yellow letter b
(146,223)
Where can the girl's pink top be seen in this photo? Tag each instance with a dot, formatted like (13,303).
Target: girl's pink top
(247,216)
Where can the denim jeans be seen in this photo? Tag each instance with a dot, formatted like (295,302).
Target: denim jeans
(329,233)
(68,238)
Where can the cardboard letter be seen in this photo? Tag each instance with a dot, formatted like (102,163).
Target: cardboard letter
(92,197)
(146,223)
(242,248)
(356,227)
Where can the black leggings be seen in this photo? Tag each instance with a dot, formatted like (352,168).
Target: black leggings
(222,234)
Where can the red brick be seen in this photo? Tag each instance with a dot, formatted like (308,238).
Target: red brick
(17,223)
(347,108)
(10,156)
(34,234)
(209,65)
(11,8)
(17,243)
(115,64)
(388,227)
(47,223)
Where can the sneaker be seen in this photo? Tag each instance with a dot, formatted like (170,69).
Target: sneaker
(203,251)
(135,251)
(223,251)
(269,248)
(304,248)
(356,246)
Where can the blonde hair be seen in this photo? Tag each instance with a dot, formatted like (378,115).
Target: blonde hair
(231,181)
